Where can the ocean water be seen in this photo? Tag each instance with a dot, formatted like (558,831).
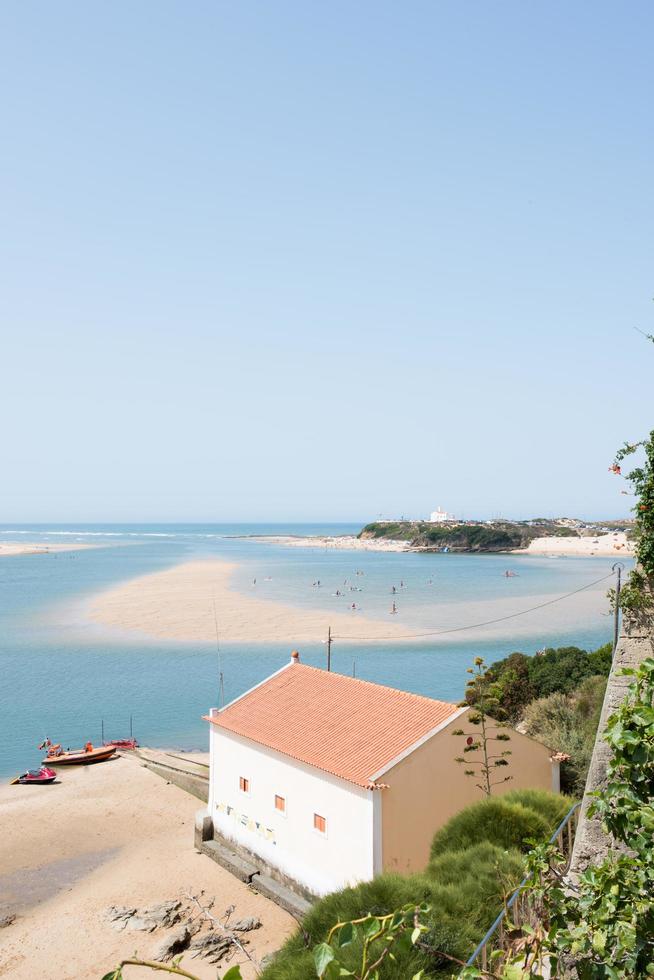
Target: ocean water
(64,678)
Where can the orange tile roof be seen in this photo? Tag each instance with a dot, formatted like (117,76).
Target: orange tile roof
(347,727)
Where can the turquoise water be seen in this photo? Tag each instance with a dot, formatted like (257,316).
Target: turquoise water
(62,677)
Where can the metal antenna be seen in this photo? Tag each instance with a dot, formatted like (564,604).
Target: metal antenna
(221,681)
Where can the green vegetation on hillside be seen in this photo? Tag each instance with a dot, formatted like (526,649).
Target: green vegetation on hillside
(498,536)
(477,860)
(568,723)
(555,697)
(520,679)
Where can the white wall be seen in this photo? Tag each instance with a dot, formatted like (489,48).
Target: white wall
(322,863)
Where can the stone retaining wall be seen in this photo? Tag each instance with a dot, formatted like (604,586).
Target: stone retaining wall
(592,844)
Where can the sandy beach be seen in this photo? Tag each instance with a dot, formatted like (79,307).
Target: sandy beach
(13,548)
(343,542)
(112,834)
(602,545)
(178,604)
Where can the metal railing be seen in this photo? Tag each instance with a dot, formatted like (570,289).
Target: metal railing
(518,904)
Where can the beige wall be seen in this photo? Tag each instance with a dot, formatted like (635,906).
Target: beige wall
(428,787)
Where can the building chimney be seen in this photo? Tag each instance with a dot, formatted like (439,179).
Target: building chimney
(295,657)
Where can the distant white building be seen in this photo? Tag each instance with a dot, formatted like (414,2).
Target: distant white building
(323,780)
(440,516)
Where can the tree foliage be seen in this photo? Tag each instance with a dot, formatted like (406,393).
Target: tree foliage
(520,679)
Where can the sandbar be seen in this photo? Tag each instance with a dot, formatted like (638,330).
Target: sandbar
(340,542)
(179,604)
(111,834)
(13,548)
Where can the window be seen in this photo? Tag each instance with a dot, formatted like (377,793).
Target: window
(280,804)
(319,823)
(244,784)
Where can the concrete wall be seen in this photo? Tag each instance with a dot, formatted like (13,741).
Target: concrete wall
(592,844)
(320,863)
(188,781)
(428,787)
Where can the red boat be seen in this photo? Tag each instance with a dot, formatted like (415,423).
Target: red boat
(76,757)
(35,776)
(123,743)
(79,757)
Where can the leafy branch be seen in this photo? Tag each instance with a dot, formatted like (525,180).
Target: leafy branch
(380,937)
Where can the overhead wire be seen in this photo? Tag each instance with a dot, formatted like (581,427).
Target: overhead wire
(474,626)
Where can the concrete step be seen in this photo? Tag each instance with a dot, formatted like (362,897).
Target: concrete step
(248,872)
(238,866)
(281,895)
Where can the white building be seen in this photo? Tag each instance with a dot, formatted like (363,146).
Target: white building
(323,780)
(440,516)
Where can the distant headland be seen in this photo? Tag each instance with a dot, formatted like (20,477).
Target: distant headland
(562,536)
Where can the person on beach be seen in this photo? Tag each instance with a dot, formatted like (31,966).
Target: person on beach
(393,609)
(393,590)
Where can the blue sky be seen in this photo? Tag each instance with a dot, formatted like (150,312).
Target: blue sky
(321,261)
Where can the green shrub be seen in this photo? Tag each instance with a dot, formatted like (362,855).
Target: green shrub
(468,882)
(294,960)
(551,806)
(505,824)
(568,723)
(468,888)
(476,863)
